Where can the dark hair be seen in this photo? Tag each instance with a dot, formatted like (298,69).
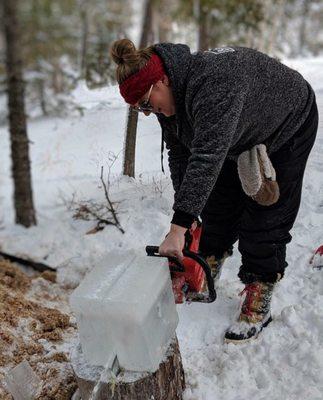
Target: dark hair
(129,59)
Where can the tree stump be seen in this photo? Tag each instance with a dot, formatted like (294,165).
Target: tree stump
(167,383)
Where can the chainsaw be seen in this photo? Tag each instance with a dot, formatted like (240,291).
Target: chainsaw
(188,278)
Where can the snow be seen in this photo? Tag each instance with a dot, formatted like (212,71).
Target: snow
(67,154)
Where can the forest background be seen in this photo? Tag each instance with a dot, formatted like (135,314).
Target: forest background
(65,41)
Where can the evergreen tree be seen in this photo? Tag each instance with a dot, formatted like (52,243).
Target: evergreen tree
(222,21)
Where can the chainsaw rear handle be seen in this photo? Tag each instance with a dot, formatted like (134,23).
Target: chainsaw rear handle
(154,251)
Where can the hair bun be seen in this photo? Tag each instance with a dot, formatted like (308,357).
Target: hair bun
(123,51)
(129,60)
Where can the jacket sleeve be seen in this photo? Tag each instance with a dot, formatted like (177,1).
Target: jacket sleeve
(178,154)
(215,112)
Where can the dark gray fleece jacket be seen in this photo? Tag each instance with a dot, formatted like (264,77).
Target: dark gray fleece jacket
(227,100)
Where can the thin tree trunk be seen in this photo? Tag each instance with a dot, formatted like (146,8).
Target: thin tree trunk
(130,144)
(203,34)
(249,37)
(131,132)
(164,21)
(263,25)
(147,31)
(281,36)
(276,21)
(23,199)
(196,15)
(42,96)
(57,78)
(41,89)
(303,27)
(84,38)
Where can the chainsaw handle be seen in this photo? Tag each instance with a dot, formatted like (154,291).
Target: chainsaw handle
(154,251)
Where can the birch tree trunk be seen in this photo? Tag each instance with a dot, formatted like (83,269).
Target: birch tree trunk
(23,199)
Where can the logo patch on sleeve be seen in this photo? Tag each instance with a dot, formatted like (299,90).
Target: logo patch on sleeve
(220,50)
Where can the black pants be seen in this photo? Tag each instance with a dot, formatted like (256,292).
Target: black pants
(263,231)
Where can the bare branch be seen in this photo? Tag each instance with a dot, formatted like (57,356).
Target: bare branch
(111,207)
(103,214)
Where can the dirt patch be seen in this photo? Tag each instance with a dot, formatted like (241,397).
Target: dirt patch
(12,277)
(36,325)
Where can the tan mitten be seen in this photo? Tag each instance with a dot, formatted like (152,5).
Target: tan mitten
(258,176)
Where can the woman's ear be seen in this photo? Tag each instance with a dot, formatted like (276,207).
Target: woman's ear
(165,80)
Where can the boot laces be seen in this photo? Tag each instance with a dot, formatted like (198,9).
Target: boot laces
(253,292)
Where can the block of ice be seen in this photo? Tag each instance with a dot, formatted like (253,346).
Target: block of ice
(125,307)
(22,382)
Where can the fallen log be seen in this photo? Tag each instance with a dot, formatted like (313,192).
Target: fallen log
(167,383)
(40,267)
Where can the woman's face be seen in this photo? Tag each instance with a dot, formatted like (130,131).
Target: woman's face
(161,98)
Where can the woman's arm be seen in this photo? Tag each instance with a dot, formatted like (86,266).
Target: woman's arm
(215,112)
(216,116)
(178,154)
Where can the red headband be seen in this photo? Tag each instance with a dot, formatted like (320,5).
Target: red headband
(134,87)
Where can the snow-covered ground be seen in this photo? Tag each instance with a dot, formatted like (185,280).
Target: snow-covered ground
(67,154)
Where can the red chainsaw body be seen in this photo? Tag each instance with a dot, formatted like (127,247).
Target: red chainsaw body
(317,258)
(192,278)
(319,251)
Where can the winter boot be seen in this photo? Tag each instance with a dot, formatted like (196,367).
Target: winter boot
(216,264)
(254,314)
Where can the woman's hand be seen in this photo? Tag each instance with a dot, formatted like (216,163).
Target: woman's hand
(174,242)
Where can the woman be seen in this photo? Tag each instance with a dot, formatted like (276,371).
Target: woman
(214,106)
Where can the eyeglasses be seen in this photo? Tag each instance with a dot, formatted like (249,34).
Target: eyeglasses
(144,105)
